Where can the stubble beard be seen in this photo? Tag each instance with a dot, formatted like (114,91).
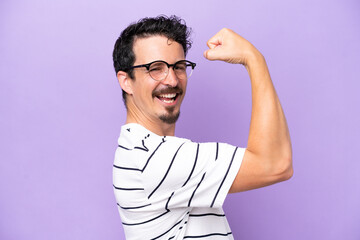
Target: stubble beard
(170,117)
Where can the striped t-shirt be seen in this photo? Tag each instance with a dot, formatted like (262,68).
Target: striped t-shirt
(172,188)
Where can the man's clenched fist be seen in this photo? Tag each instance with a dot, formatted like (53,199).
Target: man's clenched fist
(230,47)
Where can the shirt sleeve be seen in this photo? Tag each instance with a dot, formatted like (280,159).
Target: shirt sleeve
(187,174)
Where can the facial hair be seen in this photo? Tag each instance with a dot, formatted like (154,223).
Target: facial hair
(170,117)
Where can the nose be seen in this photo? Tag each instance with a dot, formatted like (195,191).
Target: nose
(171,79)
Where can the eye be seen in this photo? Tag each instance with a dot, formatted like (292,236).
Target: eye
(180,66)
(156,67)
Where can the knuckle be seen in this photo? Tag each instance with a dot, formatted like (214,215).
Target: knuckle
(226,30)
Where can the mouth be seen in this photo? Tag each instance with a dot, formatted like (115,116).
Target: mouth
(168,98)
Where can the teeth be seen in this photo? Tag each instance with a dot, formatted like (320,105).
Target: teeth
(168,101)
(169,95)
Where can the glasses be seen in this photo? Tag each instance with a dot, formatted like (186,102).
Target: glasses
(159,69)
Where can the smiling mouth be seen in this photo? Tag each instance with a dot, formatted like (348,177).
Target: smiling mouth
(168,97)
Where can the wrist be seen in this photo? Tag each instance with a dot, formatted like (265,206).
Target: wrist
(254,57)
(255,60)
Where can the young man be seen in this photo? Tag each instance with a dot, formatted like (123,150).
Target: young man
(172,188)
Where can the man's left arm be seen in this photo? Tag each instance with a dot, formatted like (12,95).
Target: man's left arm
(268,156)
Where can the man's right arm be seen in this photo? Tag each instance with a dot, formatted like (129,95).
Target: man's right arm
(268,156)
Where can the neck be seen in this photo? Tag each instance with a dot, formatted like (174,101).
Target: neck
(158,127)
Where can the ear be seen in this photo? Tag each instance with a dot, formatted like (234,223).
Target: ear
(124,81)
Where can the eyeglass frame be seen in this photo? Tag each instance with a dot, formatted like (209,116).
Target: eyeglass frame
(147,66)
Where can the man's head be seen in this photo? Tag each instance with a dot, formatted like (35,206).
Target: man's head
(152,39)
(171,27)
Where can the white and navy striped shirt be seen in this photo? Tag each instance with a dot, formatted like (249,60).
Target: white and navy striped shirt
(171,188)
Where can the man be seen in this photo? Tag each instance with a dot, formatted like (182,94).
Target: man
(171,188)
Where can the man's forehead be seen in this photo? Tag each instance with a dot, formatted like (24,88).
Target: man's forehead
(157,47)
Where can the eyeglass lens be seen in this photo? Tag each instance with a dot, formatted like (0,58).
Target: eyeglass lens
(159,70)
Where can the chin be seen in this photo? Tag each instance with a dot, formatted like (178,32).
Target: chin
(169,118)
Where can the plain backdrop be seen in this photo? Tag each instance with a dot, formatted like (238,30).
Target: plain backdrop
(61,113)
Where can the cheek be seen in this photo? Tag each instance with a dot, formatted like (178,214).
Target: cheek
(183,86)
(143,87)
(146,90)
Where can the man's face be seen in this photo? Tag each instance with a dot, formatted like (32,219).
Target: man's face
(151,100)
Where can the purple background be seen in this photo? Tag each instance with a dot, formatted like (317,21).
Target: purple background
(61,112)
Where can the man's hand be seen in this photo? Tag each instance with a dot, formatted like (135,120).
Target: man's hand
(230,47)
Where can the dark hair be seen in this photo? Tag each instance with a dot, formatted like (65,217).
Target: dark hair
(173,27)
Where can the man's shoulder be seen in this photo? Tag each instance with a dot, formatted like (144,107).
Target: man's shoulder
(136,136)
